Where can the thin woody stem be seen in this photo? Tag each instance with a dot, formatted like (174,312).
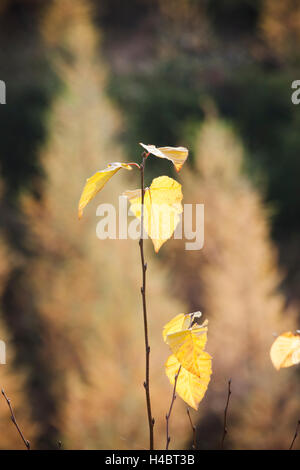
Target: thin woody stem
(193,429)
(13,418)
(225,414)
(170,410)
(143,291)
(295,435)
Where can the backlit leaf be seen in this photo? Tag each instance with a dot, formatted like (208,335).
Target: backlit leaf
(181,322)
(177,155)
(285,351)
(95,183)
(187,337)
(187,346)
(177,323)
(162,207)
(191,388)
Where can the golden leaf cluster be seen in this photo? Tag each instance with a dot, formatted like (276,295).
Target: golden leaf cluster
(187,338)
(162,201)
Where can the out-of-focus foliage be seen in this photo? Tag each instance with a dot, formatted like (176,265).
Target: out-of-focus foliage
(31,85)
(159,104)
(189,365)
(234,279)
(281,27)
(12,379)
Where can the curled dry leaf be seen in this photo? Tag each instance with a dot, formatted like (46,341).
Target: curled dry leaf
(285,351)
(95,183)
(187,340)
(162,208)
(177,155)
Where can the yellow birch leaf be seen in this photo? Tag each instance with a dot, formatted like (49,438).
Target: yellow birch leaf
(177,323)
(162,206)
(191,388)
(187,338)
(177,155)
(183,321)
(285,351)
(95,183)
(187,346)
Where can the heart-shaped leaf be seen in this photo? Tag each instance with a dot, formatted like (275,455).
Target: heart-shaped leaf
(162,207)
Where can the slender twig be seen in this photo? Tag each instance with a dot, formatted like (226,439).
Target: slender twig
(193,429)
(170,409)
(295,435)
(225,414)
(13,418)
(143,291)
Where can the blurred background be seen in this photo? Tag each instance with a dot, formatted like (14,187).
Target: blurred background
(86,81)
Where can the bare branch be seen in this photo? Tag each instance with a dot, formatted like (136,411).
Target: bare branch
(13,418)
(194,446)
(295,435)
(225,414)
(170,409)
